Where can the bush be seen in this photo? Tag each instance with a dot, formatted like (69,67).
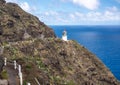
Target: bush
(24,82)
(4,74)
(70,83)
(28,66)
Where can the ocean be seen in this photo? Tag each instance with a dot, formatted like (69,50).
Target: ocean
(103,41)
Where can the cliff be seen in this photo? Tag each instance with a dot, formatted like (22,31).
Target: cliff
(53,61)
(16,24)
(50,60)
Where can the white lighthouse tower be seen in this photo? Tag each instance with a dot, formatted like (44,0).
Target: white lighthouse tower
(64,35)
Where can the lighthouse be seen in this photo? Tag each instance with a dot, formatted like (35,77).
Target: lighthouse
(64,35)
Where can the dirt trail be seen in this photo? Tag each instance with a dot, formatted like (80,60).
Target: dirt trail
(12,75)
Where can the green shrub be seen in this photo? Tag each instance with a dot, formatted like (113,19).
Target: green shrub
(57,79)
(24,82)
(4,74)
(70,83)
(28,66)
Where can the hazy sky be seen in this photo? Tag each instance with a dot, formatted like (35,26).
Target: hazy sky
(73,12)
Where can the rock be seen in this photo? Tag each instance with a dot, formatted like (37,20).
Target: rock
(26,35)
(2,1)
(3,82)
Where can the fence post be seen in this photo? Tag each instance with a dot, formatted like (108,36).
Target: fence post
(19,69)
(15,64)
(21,79)
(5,61)
(20,74)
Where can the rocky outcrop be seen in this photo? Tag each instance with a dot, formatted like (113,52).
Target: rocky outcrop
(14,23)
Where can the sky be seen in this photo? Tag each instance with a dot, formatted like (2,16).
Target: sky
(73,12)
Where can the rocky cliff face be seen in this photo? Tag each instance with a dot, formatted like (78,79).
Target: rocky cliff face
(15,24)
(50,60)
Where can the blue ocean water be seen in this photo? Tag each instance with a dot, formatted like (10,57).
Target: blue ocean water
(103,41)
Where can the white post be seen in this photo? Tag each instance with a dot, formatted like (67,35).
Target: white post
(19,69)
(15,64)
(5,61)
(28,84)
(20,74)
(21,79)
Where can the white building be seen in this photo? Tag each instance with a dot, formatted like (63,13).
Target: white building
(64,36)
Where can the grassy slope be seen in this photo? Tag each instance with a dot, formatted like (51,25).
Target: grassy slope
(54,61)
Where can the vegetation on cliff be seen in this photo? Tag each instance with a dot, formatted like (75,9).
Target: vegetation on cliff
(56,62)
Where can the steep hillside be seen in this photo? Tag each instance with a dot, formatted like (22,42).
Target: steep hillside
(16,24)
(56,62)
